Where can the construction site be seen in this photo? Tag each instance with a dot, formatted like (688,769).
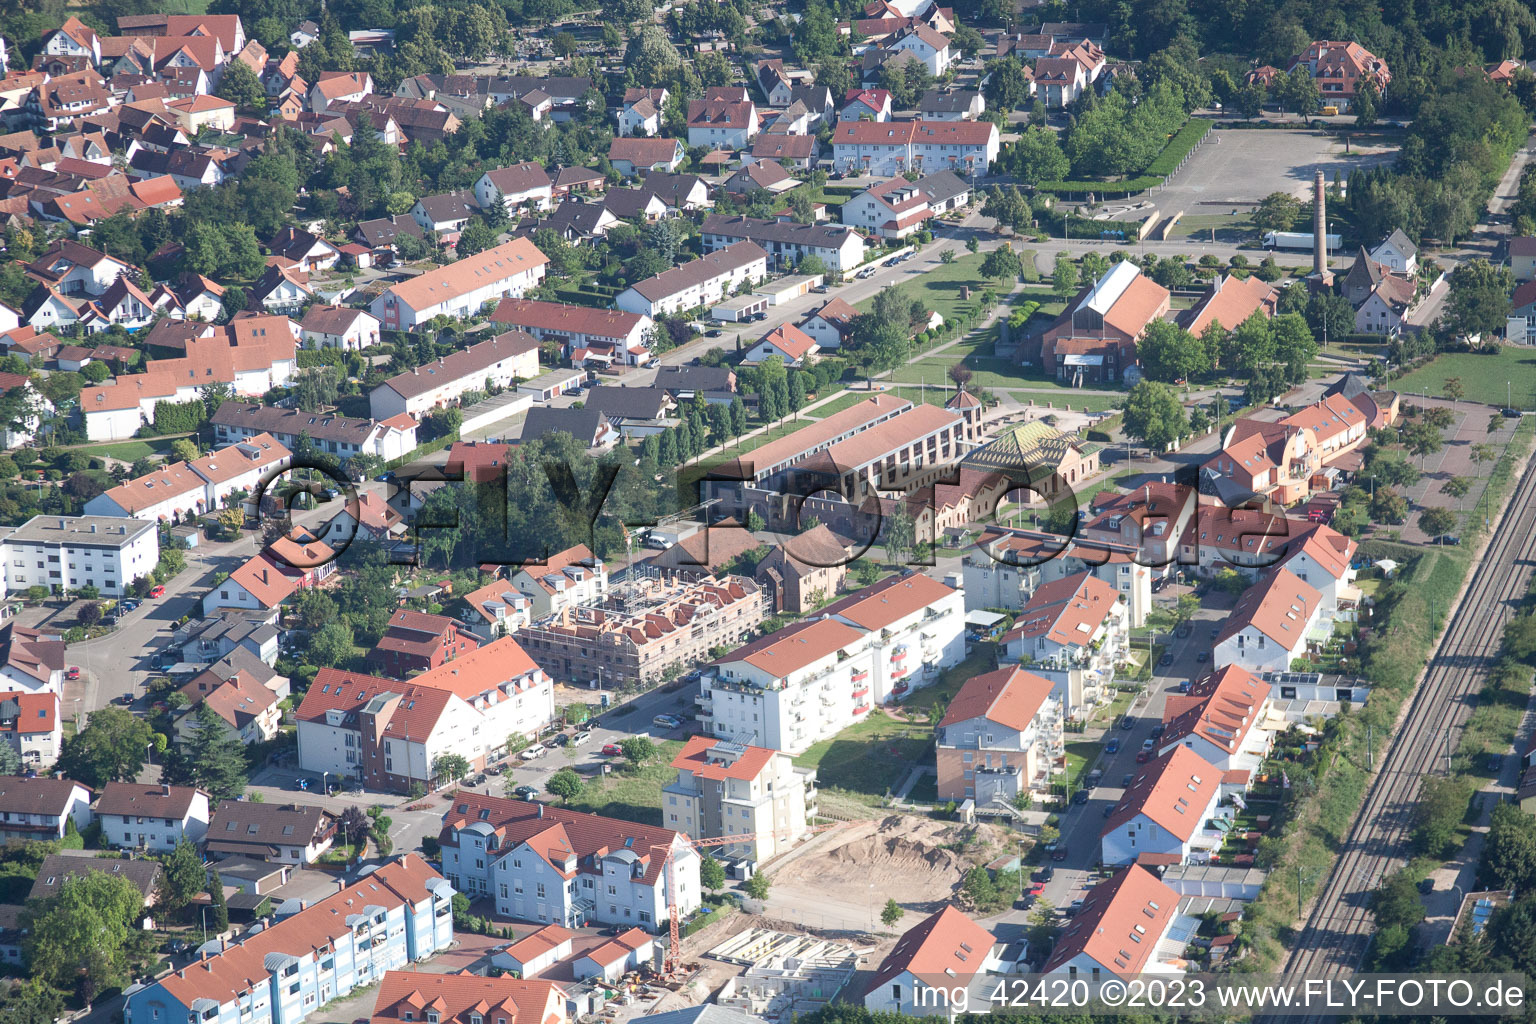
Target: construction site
(786,975)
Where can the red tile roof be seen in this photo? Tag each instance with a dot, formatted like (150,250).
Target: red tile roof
(1009,696)
(1279,606)
(887,602)
(484,669)
(945,950)
(1172,790)
(1066,611)
(695,758)
(1119,924)
(463,997)
(1221,709)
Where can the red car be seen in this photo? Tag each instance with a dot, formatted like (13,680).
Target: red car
(73,672)
(1037,889)
(157,591)
(612,750)
(1143,756)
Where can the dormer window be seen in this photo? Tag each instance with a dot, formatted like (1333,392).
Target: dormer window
(431,1017)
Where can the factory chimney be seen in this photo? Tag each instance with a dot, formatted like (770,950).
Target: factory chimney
(1319,227)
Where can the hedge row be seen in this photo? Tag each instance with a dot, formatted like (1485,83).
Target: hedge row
(1184,140)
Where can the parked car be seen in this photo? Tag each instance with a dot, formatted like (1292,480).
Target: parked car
(478,780)
(1038,888)
(157,591)
(1203,657)
(613,750)
(1109,810)
(580,738)
(1112,746)
(713,333)
(1165,660)
(1127,723)
(1185,686)
(529,753)
(1046,874)
(495,769)
(559,739)
(526,792)
(1143,756)
(666,721)
(1127,779)
(1158,730)
(128,604)
(73,672)
(1147,744)
(123,699)
(1080,797)
(1060,853)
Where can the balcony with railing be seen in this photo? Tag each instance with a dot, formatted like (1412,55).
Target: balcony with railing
(862,691)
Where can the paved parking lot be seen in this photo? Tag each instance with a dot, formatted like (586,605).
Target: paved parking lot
(1244,166)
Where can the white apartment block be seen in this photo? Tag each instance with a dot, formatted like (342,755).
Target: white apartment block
(812,679)
(106,552)
(724,789)
(701,282)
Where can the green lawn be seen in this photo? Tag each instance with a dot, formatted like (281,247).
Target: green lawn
(843,401)
(1484,378)
(939,288)
(875,755)
(128,451)
(1228,228)
(630,795)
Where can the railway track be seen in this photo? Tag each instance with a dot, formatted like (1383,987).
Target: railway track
(1338,931)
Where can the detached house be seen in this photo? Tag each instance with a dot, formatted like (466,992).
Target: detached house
(1166,811)
(631,156)
(291,833)
(927,44)
(640,112)
(1270,624)
(31,724)
(1121,930)
(946,952)
(525,184)
(721,124)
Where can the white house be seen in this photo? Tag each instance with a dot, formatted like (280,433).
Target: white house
(339,327)
(107,552)
(640,112)
(929,45)
(1387,306)
(722,124)
(1224,719)
(866,105)
(503,360)
(461,288)
(999,738)
(700,282)
(151,818)
(894,209)
(74,269)
(1268,628)
(1078,621)
(895,147)
(946,952)
(1166,811)
(838,247)
(551,865)
(786,341)
(1122,930)
(32,723)
(42,808)
(526,184)
(1397,252)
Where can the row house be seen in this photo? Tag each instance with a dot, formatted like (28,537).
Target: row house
(890,148)
(1123,930)
(398,915)
(464,998)
(341,436)
(620,335)
(701,282)
(525,184)
(1227,718)
(839,248)
(462,288)
(554,866)
(809,680)
(1000,737)
(1009,565)
(33,807)
(202,485)
(327,326)
(502,360)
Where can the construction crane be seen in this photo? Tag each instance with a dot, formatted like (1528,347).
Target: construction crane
(674,948)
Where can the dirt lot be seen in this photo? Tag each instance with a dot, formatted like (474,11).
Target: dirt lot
(839,882)
(1243,166)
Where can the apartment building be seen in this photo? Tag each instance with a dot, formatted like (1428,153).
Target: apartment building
(620,337)
(502,360)
(725,788)
(551,865)
(181,490)
(888,148)
(460,289)
(1000,736)
(808,681)
(496,609)
(1009,565)
(41,808)
(400,914)
(151,818)
(341,436)
(103,551)
(1288,460)
(1078,621)
(33,725)
(635,637)
(389,733)
(700,282)
(1166,812)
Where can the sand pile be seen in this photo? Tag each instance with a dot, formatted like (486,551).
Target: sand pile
(916,857)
